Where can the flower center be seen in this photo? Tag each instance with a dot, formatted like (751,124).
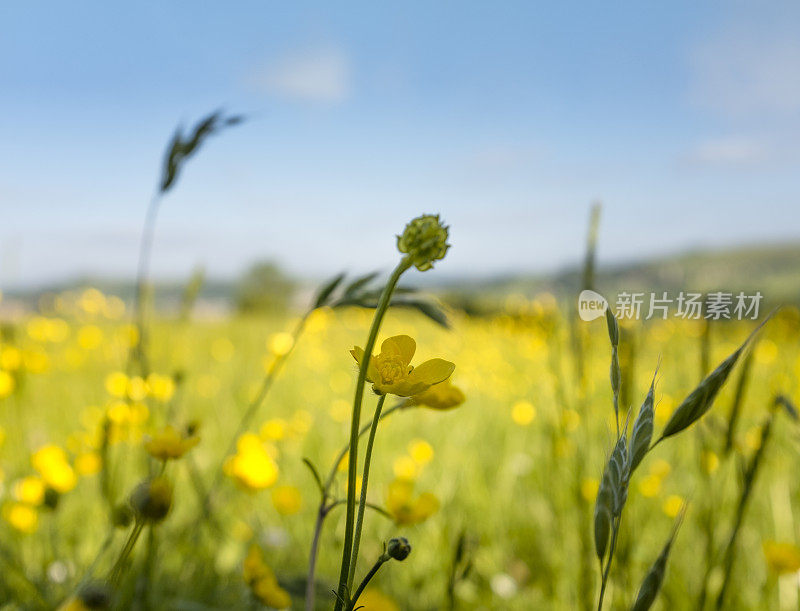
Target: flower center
(391,369)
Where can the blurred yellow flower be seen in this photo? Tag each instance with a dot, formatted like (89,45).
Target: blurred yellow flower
(52,464)
(442,396)
(287,500)
(10,358)
(168,443)
(36,360)
(22,517)
(523,413)
(252,466)
(117,384)
(766,351)
(137,389)
(161,387)
(7,384)
(280,344)
(88,463)
(710,461)
(782,558)
(650,485)
(660,468)
(90,337)
(390,372)
(114,308)
(405,467)
(407,509)
(589,487)
(672,505)
(29,490)
(262,582)
(273,430)
(374,600)
(420,451)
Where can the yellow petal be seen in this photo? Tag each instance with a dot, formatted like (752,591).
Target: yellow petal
(442,396)
(403,388)
(431,372)
(358,355)
(401,345)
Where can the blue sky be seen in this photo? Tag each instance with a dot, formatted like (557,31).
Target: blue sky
(683,118)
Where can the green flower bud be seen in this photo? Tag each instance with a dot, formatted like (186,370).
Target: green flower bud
(122,515)
(95,596)
(51,498)
(424,240)
(399,548)
(152,499)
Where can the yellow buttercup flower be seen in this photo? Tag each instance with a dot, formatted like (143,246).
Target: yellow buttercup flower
(252,466)
(169,443)
(262,582)
(782,558)
(7,384)
(407,509)
(161,387)
(589,487)
(287,500)
(390,372)
(51,463)
(672,505)
(117,384)
(523,413)
(420,451)
(88,463)
(29,490)
(22,517)
(441,396)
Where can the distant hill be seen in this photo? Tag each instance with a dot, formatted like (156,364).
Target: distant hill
(772,269)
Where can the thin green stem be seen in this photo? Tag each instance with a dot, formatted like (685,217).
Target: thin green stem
(116,570)
(607,570)
(355,425)
(138,353)
(375,568)
(325,508)
(364,483)
(312,559)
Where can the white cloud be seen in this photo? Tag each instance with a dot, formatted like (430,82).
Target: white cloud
(729,151)
(751,66)
(316,75)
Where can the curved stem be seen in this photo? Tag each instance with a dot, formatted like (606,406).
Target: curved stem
(312,560)
(138,353)
(116,571)
(355,425)
(608,564)
(364,482)
(378,564)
